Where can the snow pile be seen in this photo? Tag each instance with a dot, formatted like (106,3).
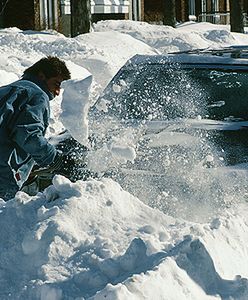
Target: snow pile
(7,77)
(186,36)
(94,240)
(100,53)
(108,51)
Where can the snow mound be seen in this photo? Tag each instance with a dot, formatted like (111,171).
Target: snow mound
(167,39)
(7,77)
(220,36)
(108,51)
(93,240)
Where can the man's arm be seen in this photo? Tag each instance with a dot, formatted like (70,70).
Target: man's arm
(27,129)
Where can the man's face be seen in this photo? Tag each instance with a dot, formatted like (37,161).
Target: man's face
(53,85)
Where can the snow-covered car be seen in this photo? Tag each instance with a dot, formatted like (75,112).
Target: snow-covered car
(201,89)
(158,110)
(183,112)
(210,83)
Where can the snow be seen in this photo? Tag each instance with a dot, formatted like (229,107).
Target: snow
(166,39)
(95,240)
(78,92)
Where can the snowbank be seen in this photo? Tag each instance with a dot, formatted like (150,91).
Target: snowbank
(93,239)
(186,36)
(108,51)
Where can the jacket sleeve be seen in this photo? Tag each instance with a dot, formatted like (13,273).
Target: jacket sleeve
(27,129)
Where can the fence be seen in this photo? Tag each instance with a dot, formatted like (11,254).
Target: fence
(215,18)
(219,18)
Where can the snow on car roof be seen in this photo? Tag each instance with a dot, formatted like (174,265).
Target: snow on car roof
(230,59)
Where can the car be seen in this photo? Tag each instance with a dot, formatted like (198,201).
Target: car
(209,83)
(201,89)
(184,113)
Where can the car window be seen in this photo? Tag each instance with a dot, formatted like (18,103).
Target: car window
(153,92)
(157,91)
(226,93)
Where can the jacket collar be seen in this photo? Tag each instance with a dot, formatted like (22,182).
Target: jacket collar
(40,83)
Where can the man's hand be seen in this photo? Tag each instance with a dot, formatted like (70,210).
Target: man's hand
(62,164)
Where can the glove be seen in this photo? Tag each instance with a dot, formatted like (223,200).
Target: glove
(61,164)
(71,165)
(58,161)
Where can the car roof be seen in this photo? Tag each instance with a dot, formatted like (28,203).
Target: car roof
(233,58)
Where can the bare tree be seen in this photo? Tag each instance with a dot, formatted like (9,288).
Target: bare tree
(169,13)
(80,17)
(236,16)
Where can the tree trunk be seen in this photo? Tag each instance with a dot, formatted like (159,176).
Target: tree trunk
(80,17)
(169,13)
(236,16)
(1,14)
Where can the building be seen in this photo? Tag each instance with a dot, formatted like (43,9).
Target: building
(21,14)
(214,11)
(55,14)
(218,11)
(153,10)
(100,10)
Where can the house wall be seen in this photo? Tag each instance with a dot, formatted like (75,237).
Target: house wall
(153,10)
(142,8)
(101,17)
(223,6)
(182,10)
(198,8)
(20,14)
(245,6)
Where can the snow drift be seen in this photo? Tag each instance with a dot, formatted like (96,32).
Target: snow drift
(93,239)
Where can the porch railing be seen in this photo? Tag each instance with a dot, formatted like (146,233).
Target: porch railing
(219,18)
(215,18)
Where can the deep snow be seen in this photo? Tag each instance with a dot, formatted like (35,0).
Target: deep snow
(94,240)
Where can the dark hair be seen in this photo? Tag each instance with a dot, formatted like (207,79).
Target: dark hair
(50,66)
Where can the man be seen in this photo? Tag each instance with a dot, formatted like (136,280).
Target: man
(24,115)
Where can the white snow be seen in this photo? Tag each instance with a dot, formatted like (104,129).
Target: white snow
(93,239)
(166,39)
(75,102)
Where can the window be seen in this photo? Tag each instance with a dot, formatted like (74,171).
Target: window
(164,92)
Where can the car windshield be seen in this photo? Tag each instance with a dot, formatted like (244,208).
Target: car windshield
(185,130)
(157,91)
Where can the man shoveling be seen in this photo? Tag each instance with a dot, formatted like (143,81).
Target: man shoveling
(24,115)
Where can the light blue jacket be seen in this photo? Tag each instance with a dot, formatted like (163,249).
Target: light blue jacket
(24,115)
